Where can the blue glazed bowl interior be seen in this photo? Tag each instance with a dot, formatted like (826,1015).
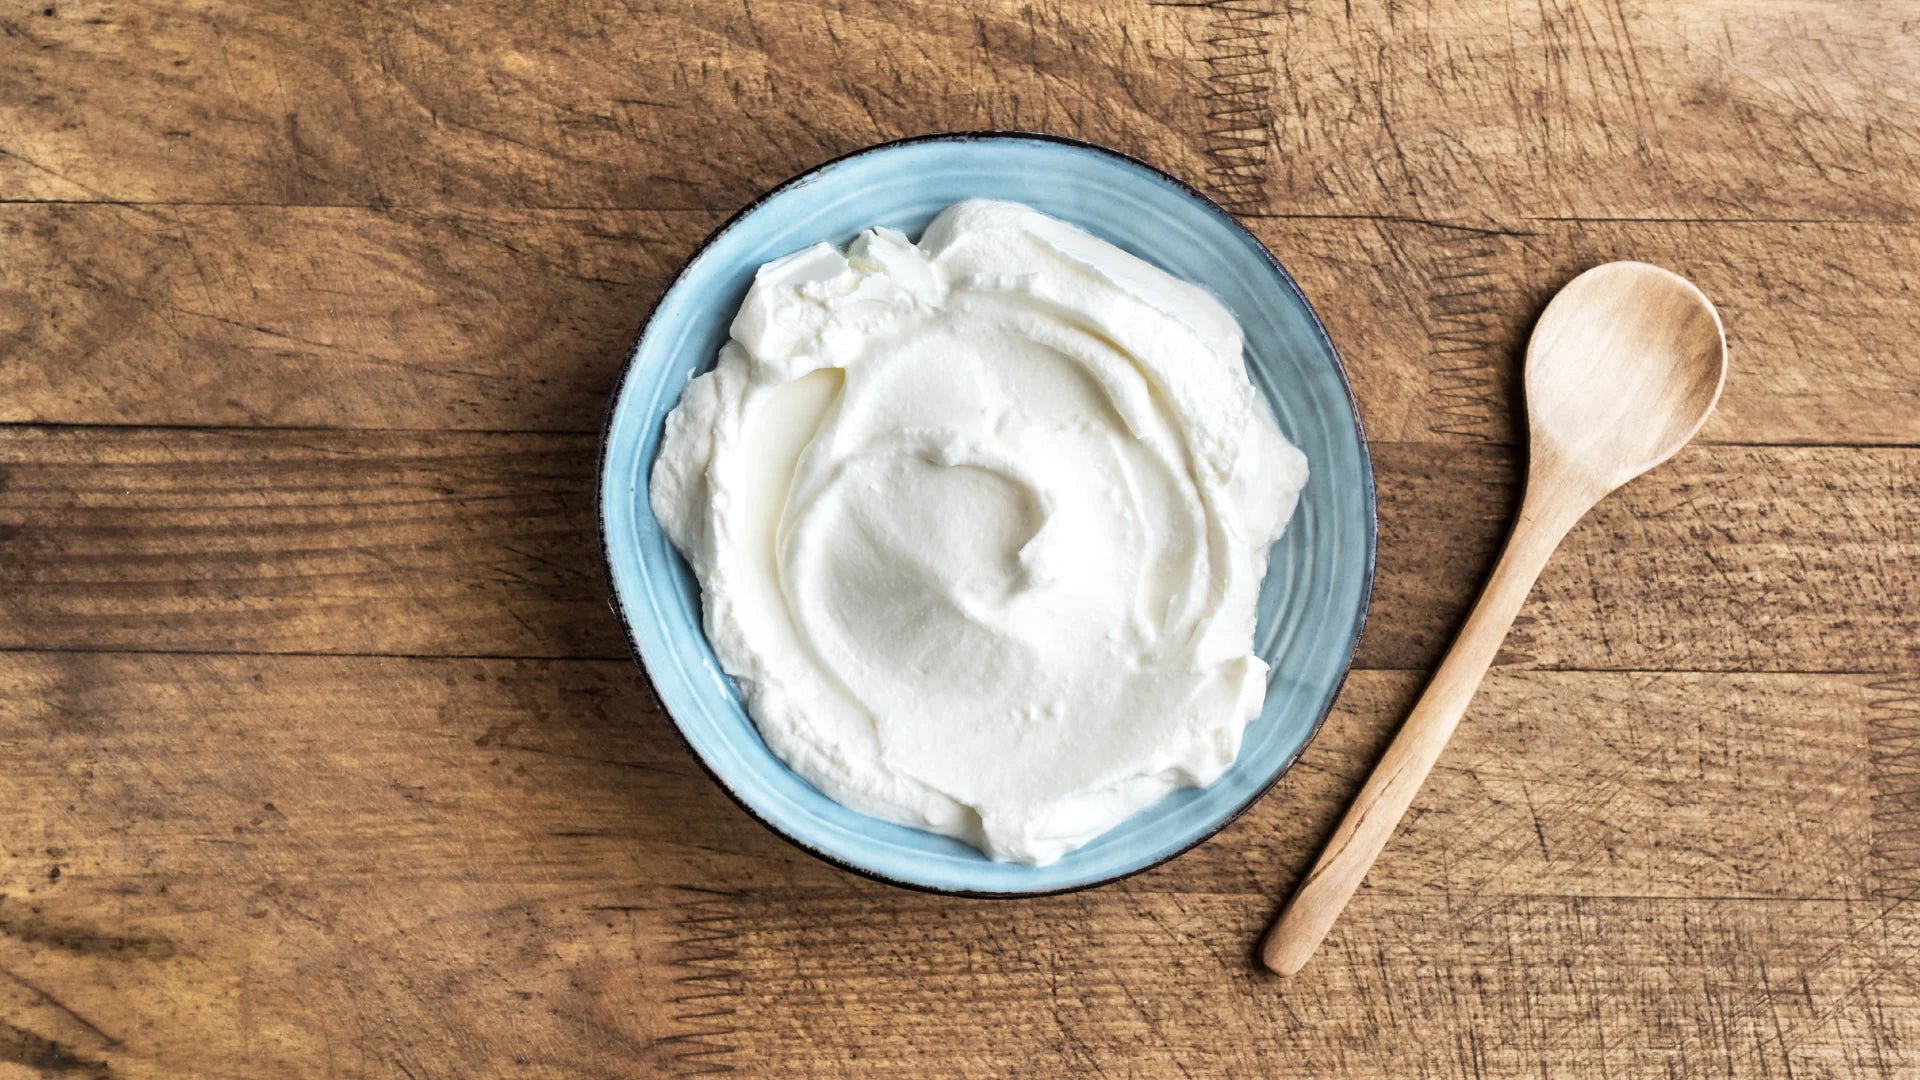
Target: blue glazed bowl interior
(1318,580)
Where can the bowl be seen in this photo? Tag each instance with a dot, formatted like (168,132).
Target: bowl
(1320,572)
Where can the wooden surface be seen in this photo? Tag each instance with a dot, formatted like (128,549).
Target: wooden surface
(1623,367)
(319,753)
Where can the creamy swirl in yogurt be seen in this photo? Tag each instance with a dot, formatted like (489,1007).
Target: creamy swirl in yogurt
(979,523)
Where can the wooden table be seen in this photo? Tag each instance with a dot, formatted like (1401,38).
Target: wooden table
(321,754)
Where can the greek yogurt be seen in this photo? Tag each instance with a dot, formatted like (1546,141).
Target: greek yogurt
(979,523)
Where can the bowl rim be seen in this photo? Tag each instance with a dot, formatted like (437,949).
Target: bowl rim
(970,136)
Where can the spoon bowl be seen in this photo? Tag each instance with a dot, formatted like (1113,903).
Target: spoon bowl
(1623,367)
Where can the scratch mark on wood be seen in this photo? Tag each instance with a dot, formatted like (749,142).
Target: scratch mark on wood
(62,1006)
(1465,327)
(706,998)
(33,1050)
(1893,735)
(1235,48)
(79,939)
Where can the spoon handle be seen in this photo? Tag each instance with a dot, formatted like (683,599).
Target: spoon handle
(1370,821)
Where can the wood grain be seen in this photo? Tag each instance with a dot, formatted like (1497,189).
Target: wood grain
(1623,367)
(1628,987)
(471,866)
(1728,558)
(518,320)
(307,318)
(326,317)
(1377,107)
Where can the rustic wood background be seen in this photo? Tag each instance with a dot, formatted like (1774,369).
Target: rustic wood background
(320,753)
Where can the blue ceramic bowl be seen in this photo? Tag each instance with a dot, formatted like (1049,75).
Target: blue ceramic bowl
(1317,584)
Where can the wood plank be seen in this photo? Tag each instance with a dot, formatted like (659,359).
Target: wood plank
(1721,109)
(1730,558)
(1562,985)
(518,320)
(1637,785)
(326,317)
(1432,322)
(294,541)
(658,105)
(237,866)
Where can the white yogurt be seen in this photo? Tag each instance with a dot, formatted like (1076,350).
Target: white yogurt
(979,525)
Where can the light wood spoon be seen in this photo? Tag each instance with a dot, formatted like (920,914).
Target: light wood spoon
(1623,368)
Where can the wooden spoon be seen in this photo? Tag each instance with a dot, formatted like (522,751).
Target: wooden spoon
(1623,368)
